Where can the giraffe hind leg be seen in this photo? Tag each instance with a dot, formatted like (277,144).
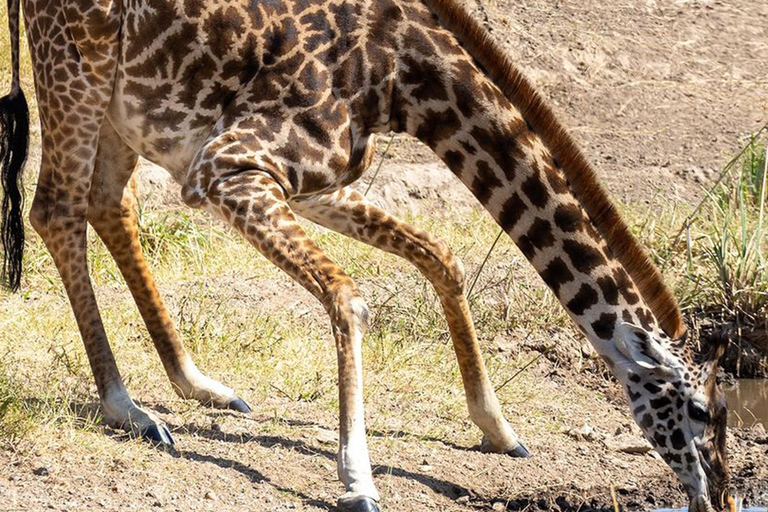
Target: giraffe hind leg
(347,212)
(59,217)
(112,213)
(254,204)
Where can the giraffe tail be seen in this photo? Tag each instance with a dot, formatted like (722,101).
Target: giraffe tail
(14,137)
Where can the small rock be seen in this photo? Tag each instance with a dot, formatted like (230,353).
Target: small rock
(462,500)
(628,443)
(41,471)
(503,344)
(588,351)
(210,495)
(616,462)
(585,433)
(499,506)
(326,436)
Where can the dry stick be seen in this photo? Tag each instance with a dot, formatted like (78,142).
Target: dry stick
(521,370)
(477,274)
(383,156)
(616,507)
(723,174)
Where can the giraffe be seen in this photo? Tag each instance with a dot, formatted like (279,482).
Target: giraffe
(265,110)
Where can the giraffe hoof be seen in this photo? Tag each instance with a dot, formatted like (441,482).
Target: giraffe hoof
(158,435)
(239,405)
(519,451)
(357,504)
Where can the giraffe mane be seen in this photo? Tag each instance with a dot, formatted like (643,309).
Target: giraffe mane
(566,153)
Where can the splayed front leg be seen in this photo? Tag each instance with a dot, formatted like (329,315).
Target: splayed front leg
(189,383)
(484,408)
(254,204)
(349,213)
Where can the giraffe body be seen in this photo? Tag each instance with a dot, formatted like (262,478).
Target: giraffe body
(264,110)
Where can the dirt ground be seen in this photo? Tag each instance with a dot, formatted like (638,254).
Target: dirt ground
(659,93)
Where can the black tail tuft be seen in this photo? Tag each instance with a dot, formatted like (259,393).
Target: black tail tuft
(14,138)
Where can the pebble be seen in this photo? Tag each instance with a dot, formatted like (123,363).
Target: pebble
(585,433)
(628,443)
(613,461)
(326,436)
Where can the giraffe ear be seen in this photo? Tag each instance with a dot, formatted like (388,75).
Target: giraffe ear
(642,350)
(718,344)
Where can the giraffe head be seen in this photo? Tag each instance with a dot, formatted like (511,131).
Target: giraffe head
(676,400)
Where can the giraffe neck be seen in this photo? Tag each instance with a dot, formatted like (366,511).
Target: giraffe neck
(511,173)
(488,144)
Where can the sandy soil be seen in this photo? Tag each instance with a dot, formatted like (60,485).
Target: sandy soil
(659,93)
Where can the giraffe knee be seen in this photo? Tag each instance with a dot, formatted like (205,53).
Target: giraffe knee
(456,276)
(452,276)
(347,307)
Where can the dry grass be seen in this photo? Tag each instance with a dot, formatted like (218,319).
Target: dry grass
(245,323)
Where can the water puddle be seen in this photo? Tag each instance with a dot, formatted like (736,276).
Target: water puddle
(739,508)
(747,406)
(750,509)
(748,403)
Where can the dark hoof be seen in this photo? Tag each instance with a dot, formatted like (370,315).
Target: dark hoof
(158,435)
(357,504)
(239,405)
(519,451)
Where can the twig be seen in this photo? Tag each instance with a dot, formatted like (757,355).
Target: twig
(616,507)
(383,155)
(521,370)
(479,270)
(286,395)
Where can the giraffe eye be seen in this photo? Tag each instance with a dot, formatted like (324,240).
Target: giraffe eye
(698,413)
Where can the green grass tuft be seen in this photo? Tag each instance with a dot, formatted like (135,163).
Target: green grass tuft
(718,265)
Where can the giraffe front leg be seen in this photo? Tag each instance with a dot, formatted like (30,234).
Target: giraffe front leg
(112,213)
(349,213)
(254,204)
